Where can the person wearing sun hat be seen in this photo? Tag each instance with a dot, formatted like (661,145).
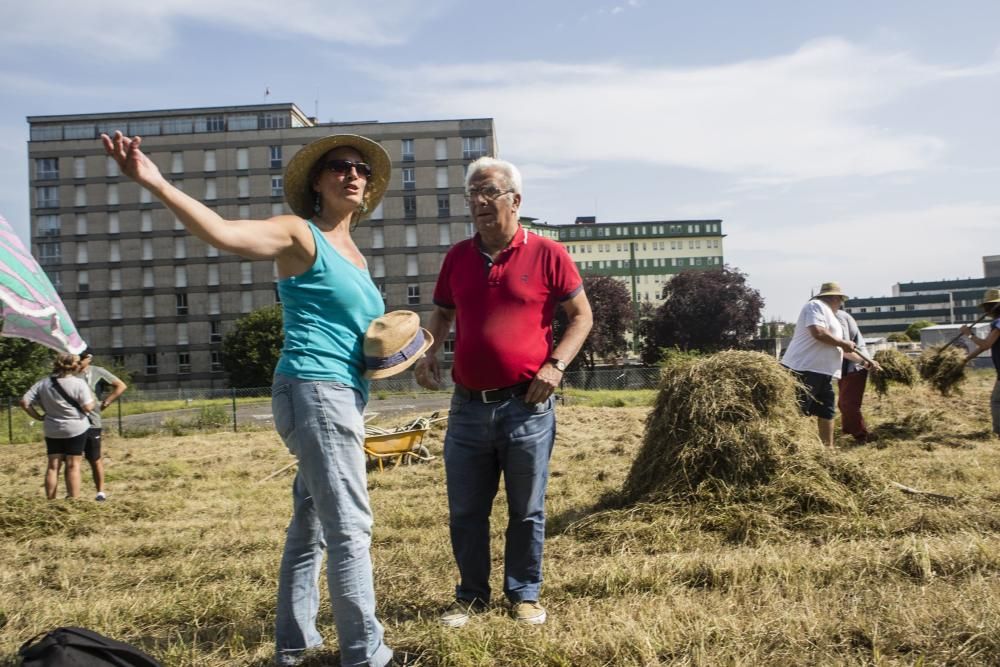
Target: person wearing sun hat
(815,354)
(991,308)
(320,390)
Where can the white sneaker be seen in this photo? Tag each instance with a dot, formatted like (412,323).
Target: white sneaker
(101,497)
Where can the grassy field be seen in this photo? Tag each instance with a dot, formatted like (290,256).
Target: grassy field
(182,559)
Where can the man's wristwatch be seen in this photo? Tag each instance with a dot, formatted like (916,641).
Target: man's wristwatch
(558,363)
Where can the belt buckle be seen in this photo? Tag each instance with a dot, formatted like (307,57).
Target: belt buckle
(482,395)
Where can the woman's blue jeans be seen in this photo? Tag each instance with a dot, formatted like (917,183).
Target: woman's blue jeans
(321,423)
(484,440)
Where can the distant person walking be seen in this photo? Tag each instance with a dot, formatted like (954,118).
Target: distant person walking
(328,301)
(991,306)
(93,376)
(853,379)
(66,400)
(815,354)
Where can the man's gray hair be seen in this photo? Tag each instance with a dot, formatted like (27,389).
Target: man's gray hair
(509,171)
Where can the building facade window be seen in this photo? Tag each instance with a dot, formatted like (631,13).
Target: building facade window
(48,225)
(181,301)
(409,206)
(406,150)
(444,206)
(277,186)
(115,280)
(115,307)
(147,249)
(246,273)
(246,301)
(473,147)
(210,189)
(182,333)
(209,160)
(242,159)
(277,208)
(444,234)
(148,307)
(213,274)
(180,276)
(50,253)
(183,363)
(114,223)
(145,196)
(275,152)
(378,237)
(82,281)
(81,252)
(180,247)
(441,177)
(83,309)
(213,303)
(440,149)
(215,331)
(411,235)
(409,178)
(116,337)
(377,265)
(412,294)
(79,195)
(79,167)
(47,167)
(177,162)
(243,189)
(151,367)
(148,280)
(412,267)
(114,251)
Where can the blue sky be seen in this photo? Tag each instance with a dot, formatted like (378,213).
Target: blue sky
(849,141)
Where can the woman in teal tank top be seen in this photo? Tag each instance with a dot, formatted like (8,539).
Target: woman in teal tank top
(319,391)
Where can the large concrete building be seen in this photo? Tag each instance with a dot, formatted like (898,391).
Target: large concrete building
(157,300)
(940,302)
(643,255)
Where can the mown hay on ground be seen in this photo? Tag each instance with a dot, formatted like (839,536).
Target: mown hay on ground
(726,429)
(896,367)
(943,368)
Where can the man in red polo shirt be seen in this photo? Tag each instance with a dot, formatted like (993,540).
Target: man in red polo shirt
(500,289)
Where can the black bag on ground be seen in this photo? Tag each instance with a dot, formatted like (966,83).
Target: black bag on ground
(76,647)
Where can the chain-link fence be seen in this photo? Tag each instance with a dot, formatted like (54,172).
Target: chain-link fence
(186,410)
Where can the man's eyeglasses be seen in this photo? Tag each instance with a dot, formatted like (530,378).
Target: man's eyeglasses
(489,193)
(344,167)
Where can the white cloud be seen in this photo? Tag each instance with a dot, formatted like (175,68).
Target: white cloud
(797,116)
(115,29)
(866,253)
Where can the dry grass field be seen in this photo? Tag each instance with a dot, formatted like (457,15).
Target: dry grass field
(182,558)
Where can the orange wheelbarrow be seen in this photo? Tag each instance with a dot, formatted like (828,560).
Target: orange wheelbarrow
(401,445)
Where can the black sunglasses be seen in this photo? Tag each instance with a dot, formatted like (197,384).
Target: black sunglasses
(344,167)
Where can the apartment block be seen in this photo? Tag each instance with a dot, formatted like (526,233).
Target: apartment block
(149,295)
(644,255)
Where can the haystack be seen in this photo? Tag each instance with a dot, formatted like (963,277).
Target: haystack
(726,429)
(896,367)
(943,368)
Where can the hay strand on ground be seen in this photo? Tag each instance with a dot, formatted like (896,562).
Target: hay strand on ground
(943,368)
(896,367)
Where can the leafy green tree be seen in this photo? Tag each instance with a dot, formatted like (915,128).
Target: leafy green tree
(613,318)
(913,331)
(251,350)
(22,363)
(705,311)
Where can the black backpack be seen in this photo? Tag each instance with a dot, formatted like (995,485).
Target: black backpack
(76,647)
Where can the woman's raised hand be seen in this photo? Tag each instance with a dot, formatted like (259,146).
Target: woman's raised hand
(131,160)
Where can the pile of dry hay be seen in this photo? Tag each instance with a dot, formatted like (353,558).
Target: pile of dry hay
(896,367)
(943,368)
(726,429)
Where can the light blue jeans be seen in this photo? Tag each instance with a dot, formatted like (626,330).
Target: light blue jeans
(995,407)
(484,440)
(321,423)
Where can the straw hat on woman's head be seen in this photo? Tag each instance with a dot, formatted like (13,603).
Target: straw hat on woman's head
(991,299)
(302,169)
(394,342)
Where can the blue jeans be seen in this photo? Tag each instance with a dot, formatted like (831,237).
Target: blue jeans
(322,425)
(483,441)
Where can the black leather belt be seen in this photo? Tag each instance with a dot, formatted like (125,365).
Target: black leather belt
(493,395)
